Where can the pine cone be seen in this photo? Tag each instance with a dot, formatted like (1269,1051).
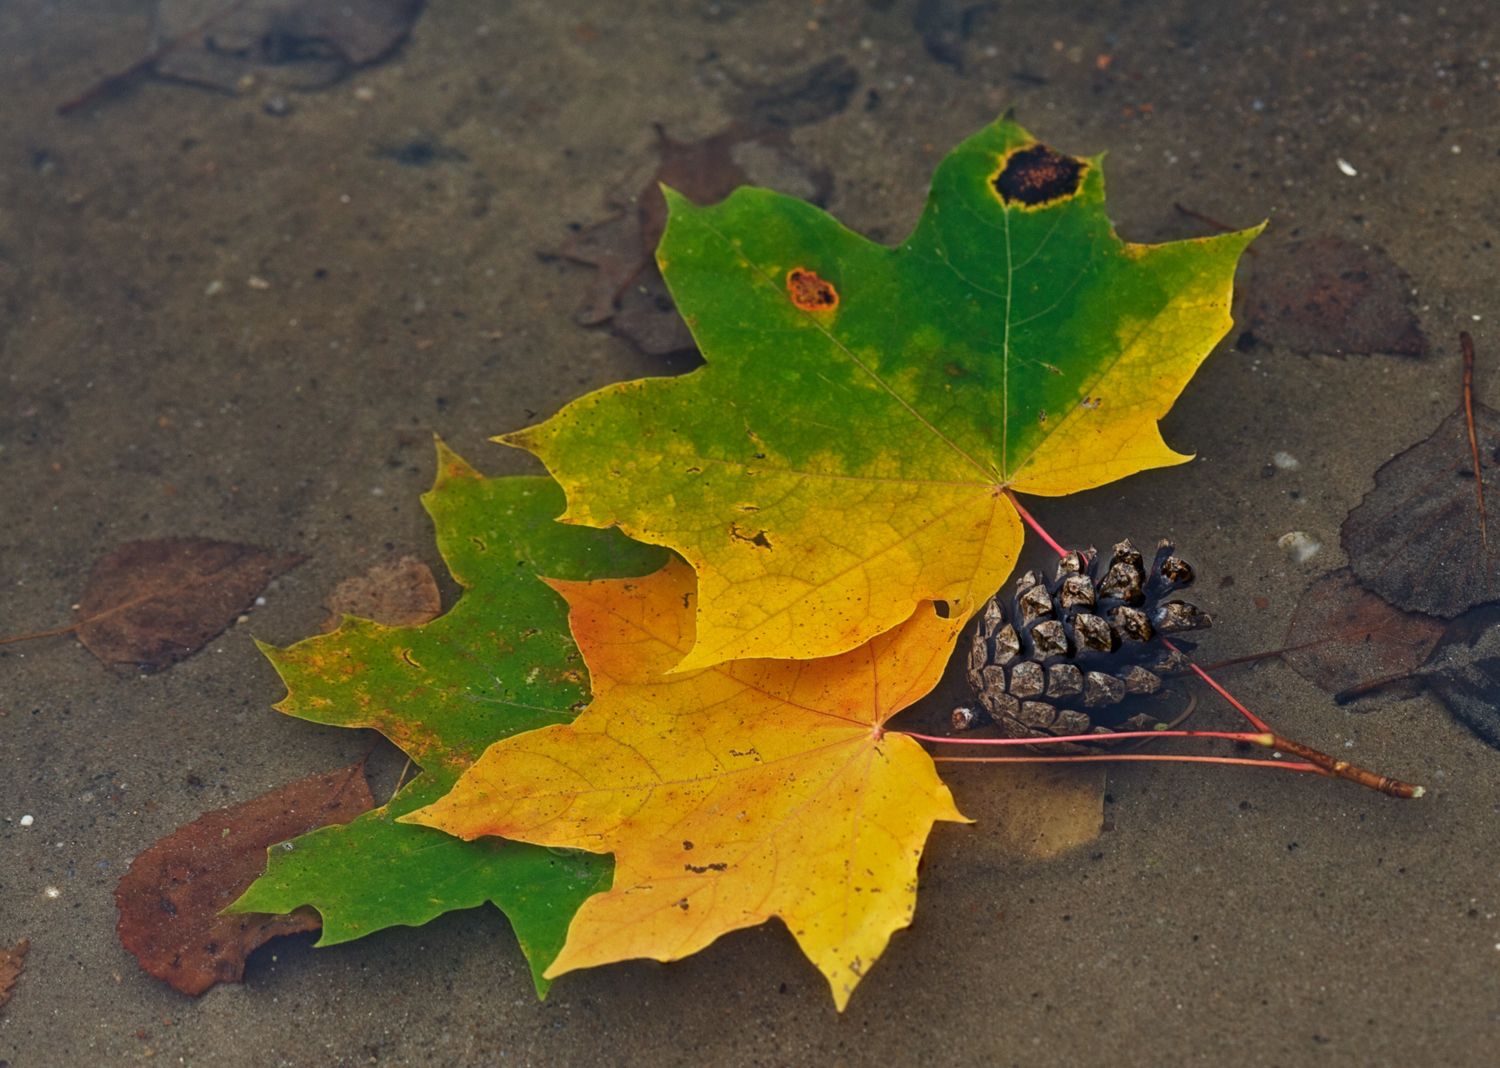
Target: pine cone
(1068,653)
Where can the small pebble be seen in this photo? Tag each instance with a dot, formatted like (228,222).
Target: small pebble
(1286,461)
(1299,545)
(1347,167)
(277,105)
(27,821)
(364,92)
(212,287)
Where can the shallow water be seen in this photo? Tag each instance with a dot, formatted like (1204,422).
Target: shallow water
(1226,917)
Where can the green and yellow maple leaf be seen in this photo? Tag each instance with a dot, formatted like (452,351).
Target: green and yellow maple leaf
(729,794)
(846,452)
(500,662)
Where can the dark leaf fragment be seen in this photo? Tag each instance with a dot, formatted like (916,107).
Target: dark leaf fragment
(1416,538)
(12,964)
(149,604)
(945,27)
(303,44)
(1330,295)
(1464,671)
(1342,637)
(171,897)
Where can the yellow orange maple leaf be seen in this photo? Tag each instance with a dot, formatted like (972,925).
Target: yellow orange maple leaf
(729,795)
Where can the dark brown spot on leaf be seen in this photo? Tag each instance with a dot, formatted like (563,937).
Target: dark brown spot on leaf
(1037,175)
(809,292)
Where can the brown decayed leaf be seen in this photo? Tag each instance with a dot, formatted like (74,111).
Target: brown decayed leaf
(1416,538)
(171,897)
(1342,636)
(149,604)
(12,964)
(1331,295)
(402,593)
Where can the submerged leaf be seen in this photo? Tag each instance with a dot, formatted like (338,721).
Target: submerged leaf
(844,455)
(12,964)
(1416,539)
(170,899)
(1464,671)
(1342,637)
(499,663)
(149,604)
(402,593)
(728,795)
(1331,295)
(303,44)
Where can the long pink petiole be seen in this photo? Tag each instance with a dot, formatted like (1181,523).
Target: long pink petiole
(1266,739)
(1034,525)
(1317,762)
(1169,757)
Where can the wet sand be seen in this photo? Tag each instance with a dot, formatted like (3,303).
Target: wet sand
(1225,917)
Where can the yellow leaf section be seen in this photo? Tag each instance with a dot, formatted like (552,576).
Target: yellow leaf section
(731,795)
(1116,432)
(863,564)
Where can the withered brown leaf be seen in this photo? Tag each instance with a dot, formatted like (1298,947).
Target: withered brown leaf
(1416,538)
(170,898)
(402,593)
(1343,637)
(149,604)
(12,964)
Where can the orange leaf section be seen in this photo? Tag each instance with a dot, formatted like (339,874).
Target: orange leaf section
(729,795)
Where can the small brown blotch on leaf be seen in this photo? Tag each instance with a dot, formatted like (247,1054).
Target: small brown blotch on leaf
(1037,176)
(809,292)
(402,593)
(12,964)
(171,898)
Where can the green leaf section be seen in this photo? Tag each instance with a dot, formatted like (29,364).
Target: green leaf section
(501,662)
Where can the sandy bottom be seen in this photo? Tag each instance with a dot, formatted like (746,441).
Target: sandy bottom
(1227,917)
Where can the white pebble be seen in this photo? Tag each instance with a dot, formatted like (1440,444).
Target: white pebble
(1300,545)
(1286,461)
(260,600)
(1347,167)
(27,821)
(212,287)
